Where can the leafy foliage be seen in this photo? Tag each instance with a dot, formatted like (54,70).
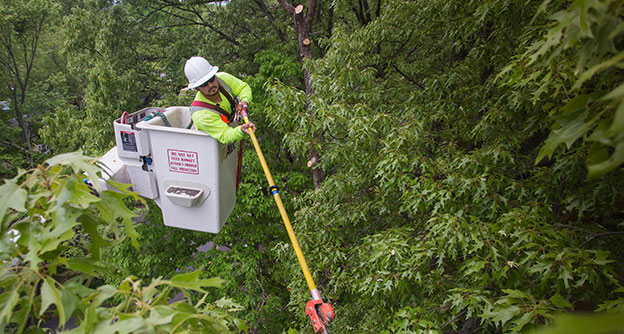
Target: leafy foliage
(23,32)
(576,62)
(449,203)
(433,212)
(54,227)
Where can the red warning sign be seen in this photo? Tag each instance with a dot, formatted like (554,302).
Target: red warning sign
(183,162)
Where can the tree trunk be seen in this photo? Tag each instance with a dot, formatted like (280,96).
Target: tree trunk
(19,77)
(303,22)
(19,117)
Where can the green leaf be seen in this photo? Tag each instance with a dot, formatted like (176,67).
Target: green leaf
(565,276)
(160,315)
(595,69)
(583,9)
(602,258)
(79,163)
(568,134)
(112,207)
(76,194)
(8,299)
(132,233)
(615,160)
(51,295)
(561,302)
(32,256)
(617,125)
(90,224)
(124,189)
(473,267)
(123,326)
(572,126)
(87,266)
(103,293)
(242,325)
(515,293)
(21,316)
(597,153)
(229,304)
(63,222)
(191,281)
(553,38)
(12,196)
(618,92)
(582,324)
(503,315)
(578,103)
(70,303)
(522,321)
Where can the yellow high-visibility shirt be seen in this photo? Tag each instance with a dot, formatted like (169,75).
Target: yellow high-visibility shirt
(210,121)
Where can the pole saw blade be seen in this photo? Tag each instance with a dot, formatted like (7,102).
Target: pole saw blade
(321,314)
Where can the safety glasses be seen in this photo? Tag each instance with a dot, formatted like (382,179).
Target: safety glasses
(211,80)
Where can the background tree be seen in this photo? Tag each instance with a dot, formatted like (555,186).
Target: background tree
(22,27)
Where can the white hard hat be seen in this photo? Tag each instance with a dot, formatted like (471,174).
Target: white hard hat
(198,70)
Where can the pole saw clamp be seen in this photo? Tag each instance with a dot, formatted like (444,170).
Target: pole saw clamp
(321,314)
(241,110)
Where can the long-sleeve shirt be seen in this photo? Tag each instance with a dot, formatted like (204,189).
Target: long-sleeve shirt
(210,121)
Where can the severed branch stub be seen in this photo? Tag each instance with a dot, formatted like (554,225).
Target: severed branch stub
(298,9)
(312,162)
(306,41)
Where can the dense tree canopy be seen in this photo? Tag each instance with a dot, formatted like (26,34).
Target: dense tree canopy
(467,165)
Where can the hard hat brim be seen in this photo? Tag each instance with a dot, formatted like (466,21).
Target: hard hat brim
(204,78)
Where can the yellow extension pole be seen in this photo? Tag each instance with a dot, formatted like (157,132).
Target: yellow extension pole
(280,205)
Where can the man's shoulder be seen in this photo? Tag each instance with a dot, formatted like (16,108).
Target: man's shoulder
(224,75)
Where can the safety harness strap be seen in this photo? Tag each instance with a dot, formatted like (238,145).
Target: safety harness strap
(228,96)
(225,116)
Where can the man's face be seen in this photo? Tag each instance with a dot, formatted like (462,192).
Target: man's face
(210,87)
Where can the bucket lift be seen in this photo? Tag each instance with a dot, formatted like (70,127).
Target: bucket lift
(190,175)
(193,178)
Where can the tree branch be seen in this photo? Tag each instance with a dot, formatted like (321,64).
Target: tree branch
(396,68)
(309,17)
(8,143)
(287,7)
(454,319)
(202,22)
(265,10)
(598,235)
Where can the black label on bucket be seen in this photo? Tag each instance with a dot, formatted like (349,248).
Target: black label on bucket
(128,141)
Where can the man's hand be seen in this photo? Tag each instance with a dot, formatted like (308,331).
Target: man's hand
(245,127)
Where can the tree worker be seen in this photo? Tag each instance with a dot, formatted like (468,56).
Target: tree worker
(220,97)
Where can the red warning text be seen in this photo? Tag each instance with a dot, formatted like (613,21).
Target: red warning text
(183,162)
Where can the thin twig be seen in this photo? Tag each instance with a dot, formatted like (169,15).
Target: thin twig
(454,319)
(407,77)
(598,235)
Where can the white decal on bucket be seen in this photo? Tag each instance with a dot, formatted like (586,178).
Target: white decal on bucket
(183,162)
